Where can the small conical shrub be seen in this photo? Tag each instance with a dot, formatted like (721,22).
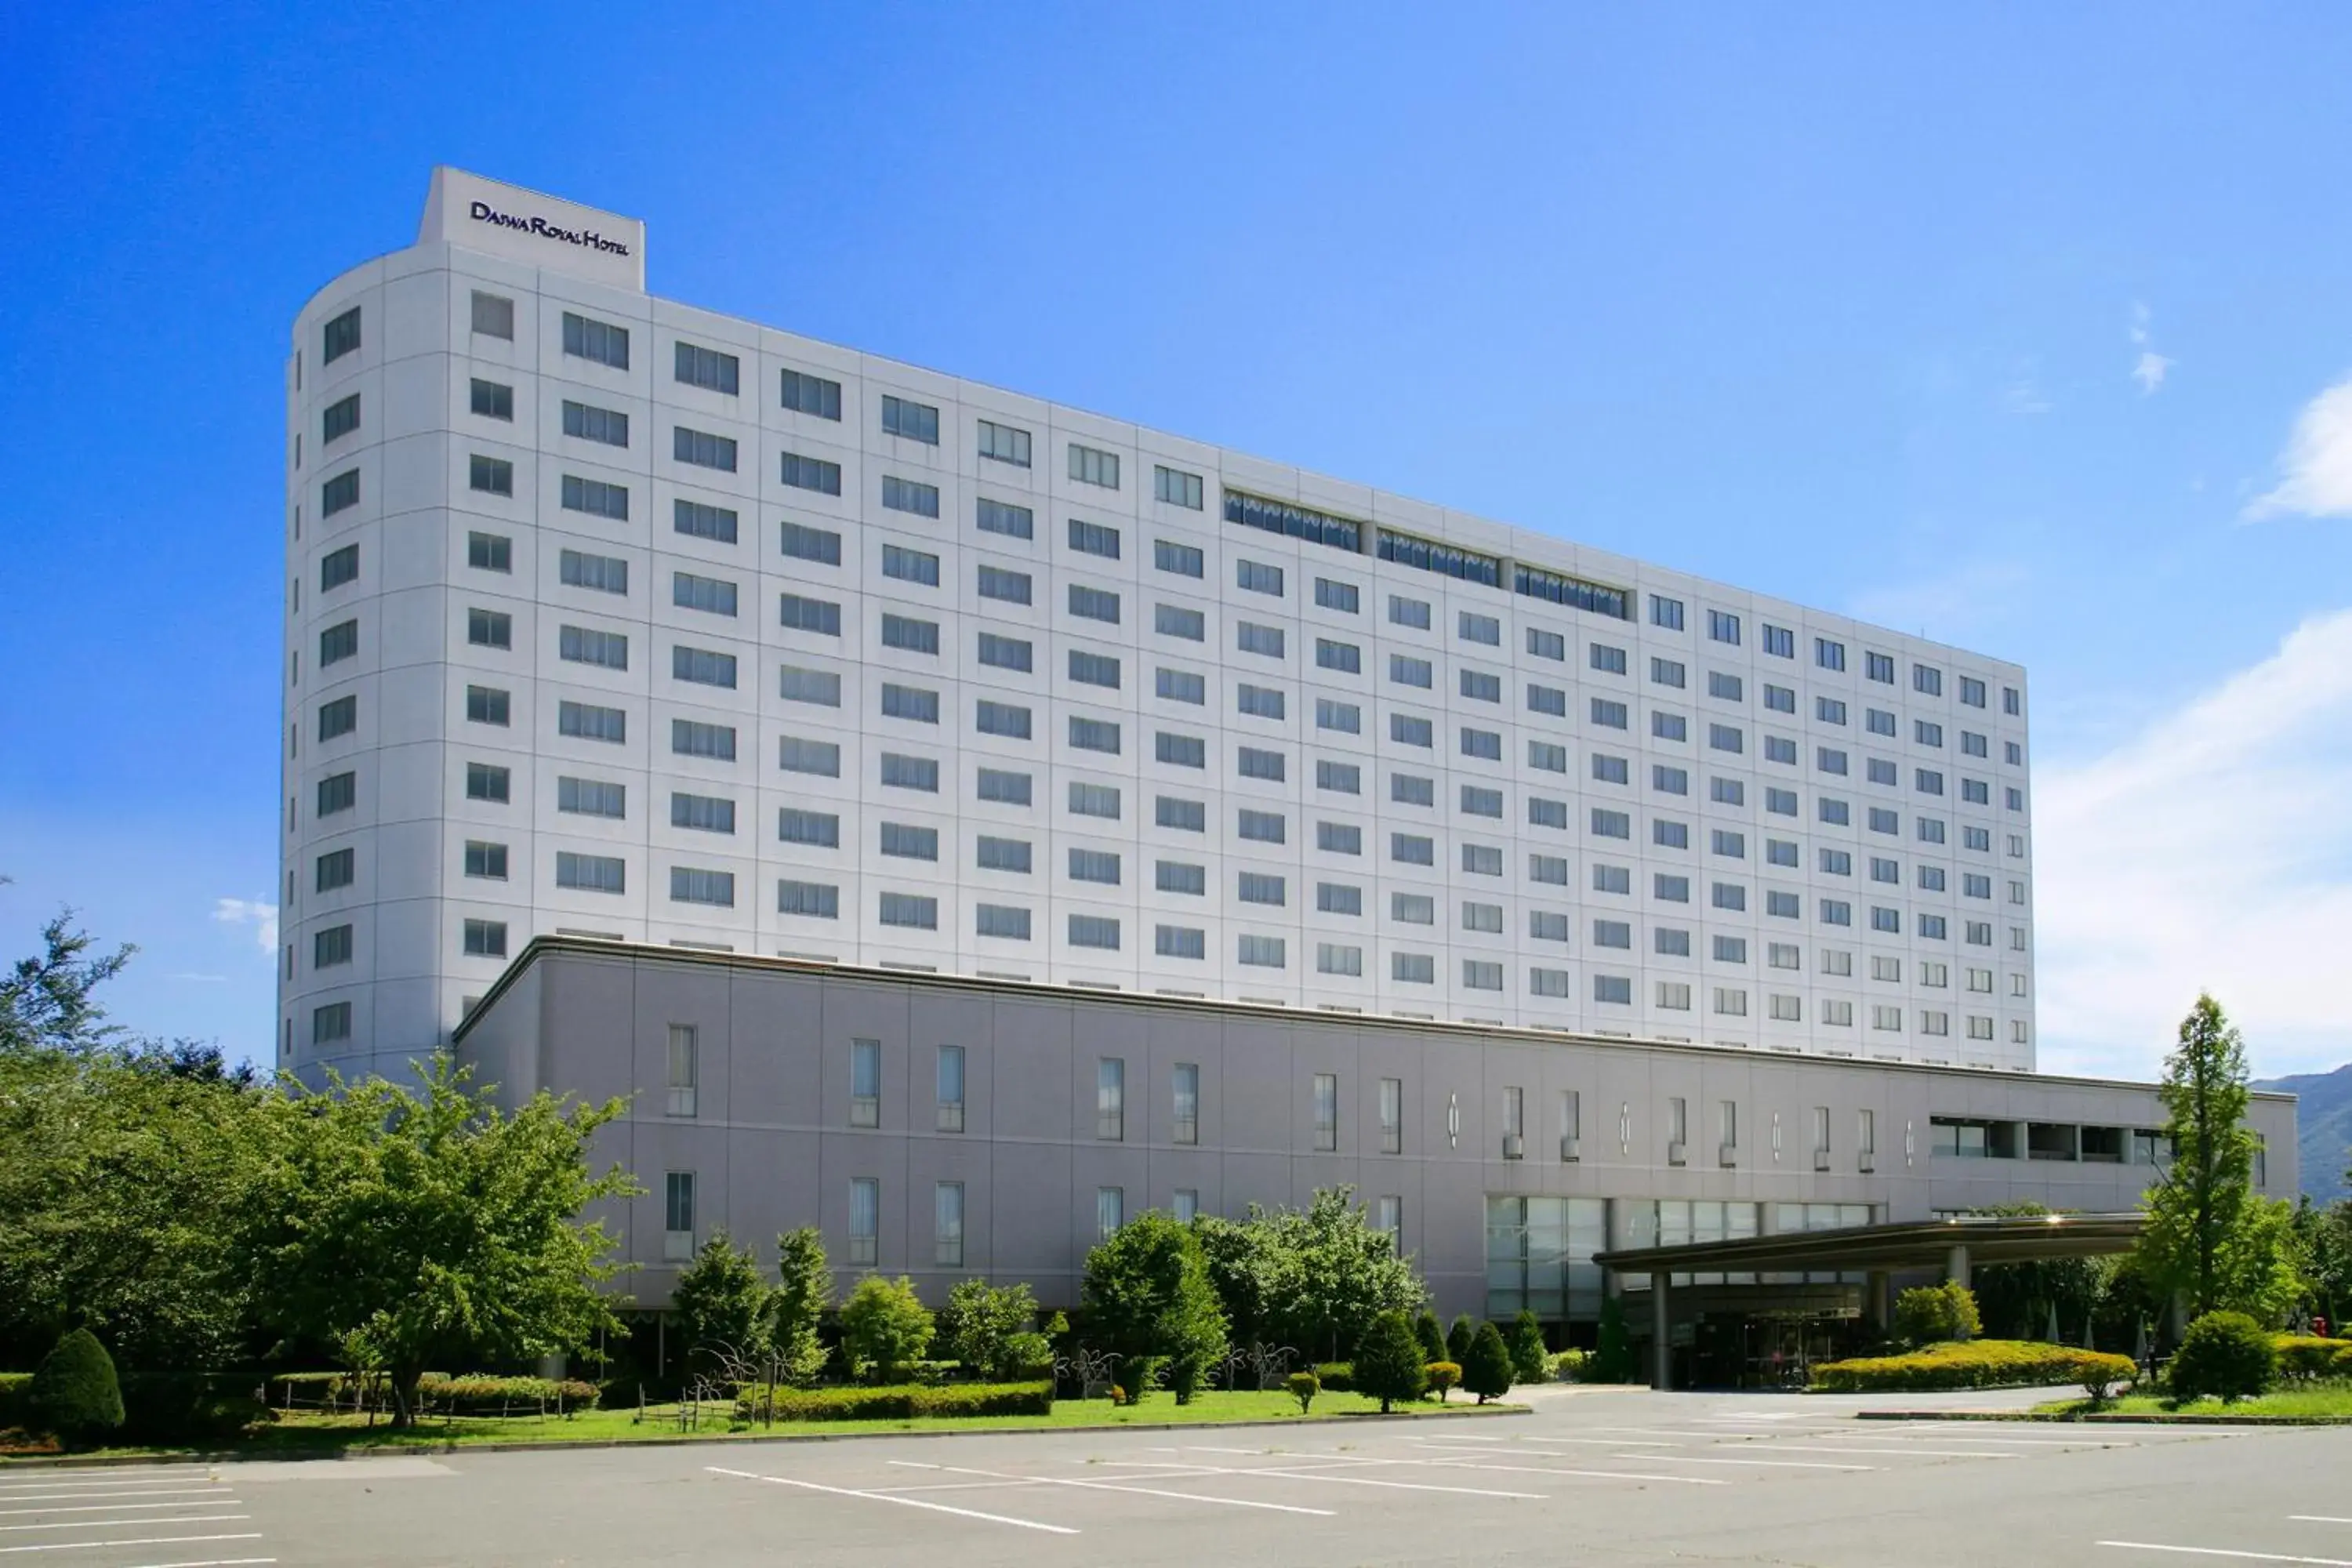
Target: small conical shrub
(1458,1338)
(1530,1358)
(1432,1337)
(1487,1373)
(75,1392)
(1388,1362)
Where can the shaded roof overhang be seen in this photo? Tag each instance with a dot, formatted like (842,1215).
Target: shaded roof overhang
(1911,1244)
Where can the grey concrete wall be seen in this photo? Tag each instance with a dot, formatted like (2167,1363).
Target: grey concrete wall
(771,1147)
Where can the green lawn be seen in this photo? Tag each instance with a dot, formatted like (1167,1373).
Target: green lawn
(2334,1399)
(306,1432)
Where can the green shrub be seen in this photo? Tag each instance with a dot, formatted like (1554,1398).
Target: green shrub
(884,1327)
(1531,1357)
(1141,1375)
(1432,1336)
(1303,1388)
(169,1407)
(74,1392)
(1487,1373)
(16,1402)
(1387,1365)
(2342,1365)
(986,1327)
(1335,1376)
(1571,1366)
(475,1394)
(1936,1314)
(2306,1356)
(903,1402)
(1459,1337)
(1978,1363)
(1613,1360)
(1442,1376)
(2224,1355)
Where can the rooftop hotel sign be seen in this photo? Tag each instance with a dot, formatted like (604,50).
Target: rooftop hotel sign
(538,230)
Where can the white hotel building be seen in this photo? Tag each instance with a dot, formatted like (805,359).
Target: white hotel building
(610,616)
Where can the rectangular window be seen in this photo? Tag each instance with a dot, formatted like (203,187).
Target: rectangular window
(338,493)
(816,474)
(711,595)
(485,781)
(797,614)
(493,315)
(490,476)
(1013,855)
(340,337)
(1404,612)
(340,419)
(814,900)
(592,798)
(330,1022)
(911,634)
(704,667)
(1182,560)
(947,1223)
(1094,931)
(1172,486)
(338,567)
(1257,577)
(1094,603)
(606,427)
(818,828)
(909,910)
(1091,465)
(908,496)
(812,394)
(339,717)
(595,498)
(865,1221)
(600,341)
(1002,517)
(703,449)
(1829,654)
(1335,596)
(707,368)
(1003,444)
(591,873)
(909,420)
(696,519)
(1005,586)
(1666,613)
(590,721)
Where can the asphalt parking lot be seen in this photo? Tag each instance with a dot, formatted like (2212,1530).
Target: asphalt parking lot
(1604,1478)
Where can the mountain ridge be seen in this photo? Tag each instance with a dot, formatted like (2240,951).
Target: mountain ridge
(2323,1129)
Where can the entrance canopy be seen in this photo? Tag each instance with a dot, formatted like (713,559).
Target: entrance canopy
(1911,1243)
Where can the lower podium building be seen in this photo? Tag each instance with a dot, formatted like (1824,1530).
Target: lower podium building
(946,1127)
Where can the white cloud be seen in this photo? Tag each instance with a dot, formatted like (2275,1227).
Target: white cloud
(2212,851)
(2149,372)
(262,917)
(2315,470)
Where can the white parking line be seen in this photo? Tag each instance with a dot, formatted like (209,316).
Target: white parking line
(88,1494)
(1518,1449)
(1313,1471)
(211,1562)
(1890,1453)
(122,1507)
(1124,1487)
(84,1478)
(2223,1552)
(110,1524)
(1771,1464)
(2319,1519)
(1466,1464)
(148,1540)
(902,1501)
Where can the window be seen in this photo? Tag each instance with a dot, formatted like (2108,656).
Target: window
(330,1022)
(814,900)
(337,792)
(339,717)
(1480,687)
(1001,718)
(1412,968)
(1607,714)
(490,476)
(1257,577)
(1094,866)
(909,910)
(340,337)
(1666,672)
(818,688)
(1611,823)
(591,873)
(1182,560)
(584,721)
(1172,485)
(592,798)
(1339,897)
(1184,1090)
(1094,931)
(1002,517)
(600,341)
(1094,603)
(906,495)
(702,450)
(606,426)
(1256,763)
(339,642)
(1004,854)
(1335,596)
(340,419)
(338,567)
(1412,849)
(601,573)
(494,315)
(1726,738)
(1724,687)
(864,1220)
(819,828)
(1181,686)
(805,393)
(1471,628)
(705,667)
(797,614)
(947,1219)
(1261,952)
(1404,612)
(711,595)
(1094,734)
(913,636)
(1407,731)
(338,493)
(1173,621)
(1003,444)
(1179,941)
(1332,714)
(1250,637)
(1928,681)
(1665,612)
(1926,734)
(1829,654)
(1669,726)
(909,843)
(332,946)
(595,498)
(810,474)
(1262,827)
(485,781)
(1091,465)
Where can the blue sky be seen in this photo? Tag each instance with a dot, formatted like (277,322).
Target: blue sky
(2017,327)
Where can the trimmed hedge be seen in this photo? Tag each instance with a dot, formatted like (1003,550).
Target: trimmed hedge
(467,1394)
(1973,1363)
(2307,1355)
(902,1403)
(1335,1376)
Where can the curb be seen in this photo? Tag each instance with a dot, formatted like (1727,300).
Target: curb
(404,1450)
(2108,1417)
